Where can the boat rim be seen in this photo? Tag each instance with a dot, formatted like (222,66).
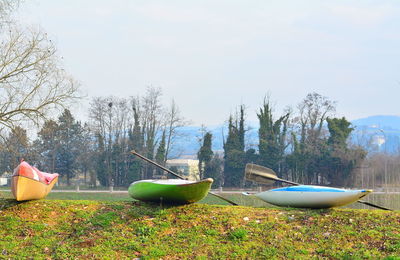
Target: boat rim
(172,181)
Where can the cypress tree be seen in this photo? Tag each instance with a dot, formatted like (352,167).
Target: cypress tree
(272,138)
(205,155)
(234,156)
(160,154)
(241,130)
(135,142)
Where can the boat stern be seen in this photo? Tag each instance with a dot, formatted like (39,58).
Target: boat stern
(365,193)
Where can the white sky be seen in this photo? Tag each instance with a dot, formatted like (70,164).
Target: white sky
(213,55)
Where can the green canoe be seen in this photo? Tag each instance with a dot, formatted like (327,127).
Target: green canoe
(172,191)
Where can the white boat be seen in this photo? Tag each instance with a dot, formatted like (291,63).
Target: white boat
(308,196)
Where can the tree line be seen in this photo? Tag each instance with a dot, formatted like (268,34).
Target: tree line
(307,146)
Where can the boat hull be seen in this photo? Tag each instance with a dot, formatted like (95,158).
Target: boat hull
(170,191)
(307,196)
(24,188)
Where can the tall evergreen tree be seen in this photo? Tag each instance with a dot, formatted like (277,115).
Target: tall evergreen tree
(15,146)
(160,154)
(214,169)
(47,145)
(205,156)
(135,142)
(234,154)
(136,136)
(241,130)
(70,138)
(272,138)
(85,160)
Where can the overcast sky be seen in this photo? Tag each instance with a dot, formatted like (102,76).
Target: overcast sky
(212,55)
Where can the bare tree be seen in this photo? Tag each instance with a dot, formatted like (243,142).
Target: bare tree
(137,124)
(313,111)
(152,117)
(155,119)
(152,112)
(100,114)
(122,116)
(174,121)
(32,83)
(110,119)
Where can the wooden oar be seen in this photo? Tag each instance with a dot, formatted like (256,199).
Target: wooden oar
(264,175)
(177,175)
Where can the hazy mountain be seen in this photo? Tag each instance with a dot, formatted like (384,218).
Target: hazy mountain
(378,133)
(380,122)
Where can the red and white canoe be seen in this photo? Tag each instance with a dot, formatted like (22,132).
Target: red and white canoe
(28,183)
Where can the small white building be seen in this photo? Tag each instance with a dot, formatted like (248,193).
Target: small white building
(3,181)
(185,167)
(5,178)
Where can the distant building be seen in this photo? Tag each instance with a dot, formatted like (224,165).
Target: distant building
(5,179)
(185,167)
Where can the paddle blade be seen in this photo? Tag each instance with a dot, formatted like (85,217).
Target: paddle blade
(259,174)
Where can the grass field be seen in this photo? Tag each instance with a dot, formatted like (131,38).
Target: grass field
(82,229)
(103,225)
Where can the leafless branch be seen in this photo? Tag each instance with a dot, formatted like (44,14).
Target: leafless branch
(32,82)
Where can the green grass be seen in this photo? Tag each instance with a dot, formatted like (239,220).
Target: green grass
(81,229)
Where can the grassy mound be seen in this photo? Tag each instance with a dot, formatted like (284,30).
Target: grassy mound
(60,229)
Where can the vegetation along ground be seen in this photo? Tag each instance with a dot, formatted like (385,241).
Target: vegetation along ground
(69,229)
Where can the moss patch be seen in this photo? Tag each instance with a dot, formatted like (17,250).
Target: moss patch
(63,229)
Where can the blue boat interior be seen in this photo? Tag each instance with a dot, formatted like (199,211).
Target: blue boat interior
(306,188)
